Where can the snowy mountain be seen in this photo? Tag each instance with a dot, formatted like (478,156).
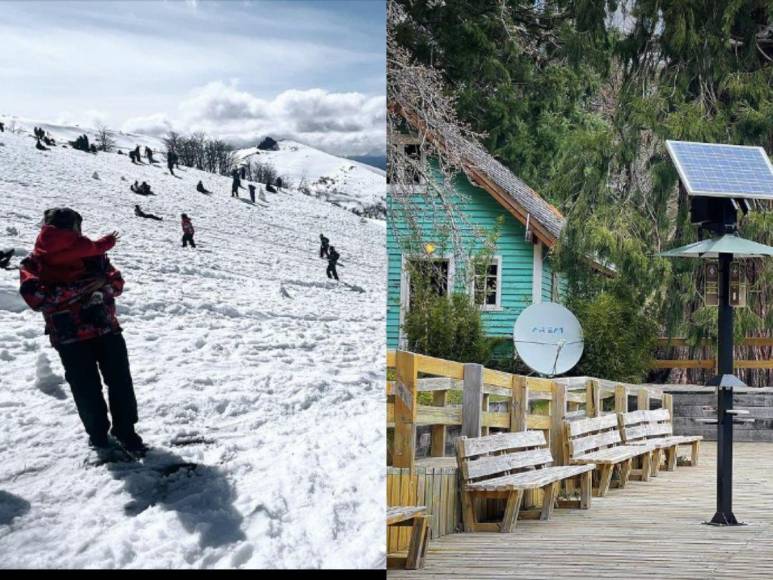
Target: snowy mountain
(260,383)
(344,182)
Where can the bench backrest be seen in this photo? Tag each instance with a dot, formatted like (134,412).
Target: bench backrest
(482,458)
(589,435)
(642,425)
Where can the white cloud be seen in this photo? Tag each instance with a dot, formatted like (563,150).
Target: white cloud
(342,123)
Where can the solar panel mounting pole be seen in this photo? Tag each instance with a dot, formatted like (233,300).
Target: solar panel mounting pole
(724,515)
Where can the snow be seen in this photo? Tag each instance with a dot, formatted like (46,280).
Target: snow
(349,184)
(260,383)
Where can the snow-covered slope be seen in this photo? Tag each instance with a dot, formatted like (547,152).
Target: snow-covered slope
(350,184)
(63,133)
(247,361)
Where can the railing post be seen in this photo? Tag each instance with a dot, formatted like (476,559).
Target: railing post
(519,409)
(643,400)
(472,400)
(404,448)
(592,399)
(668,403)
(557,416)
(621,399)
(438,446)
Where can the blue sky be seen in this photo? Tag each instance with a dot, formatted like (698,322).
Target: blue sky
(309,70)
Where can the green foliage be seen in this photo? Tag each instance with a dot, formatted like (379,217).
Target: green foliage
(446,327)
(619,340)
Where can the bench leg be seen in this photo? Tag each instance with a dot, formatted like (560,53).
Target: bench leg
(550,493)
(625,472)
(586,489)
(511,511)
(671,458)
(657,459)
(605,477)
(696,449)
(418,545)
(646,460)
(468,512)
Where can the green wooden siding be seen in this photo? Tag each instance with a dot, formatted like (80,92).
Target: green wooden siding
(480,213)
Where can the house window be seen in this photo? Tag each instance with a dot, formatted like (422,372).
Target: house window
(487,284)
(433,272)
(410,174)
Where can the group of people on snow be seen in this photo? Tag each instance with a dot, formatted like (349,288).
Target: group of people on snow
(141,188)
(329,252)
(81,143)
(135,155)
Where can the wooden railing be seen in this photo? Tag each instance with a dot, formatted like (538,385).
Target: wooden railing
(529,403)
(711,363)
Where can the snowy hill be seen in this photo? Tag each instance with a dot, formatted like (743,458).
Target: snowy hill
(64,133)
(260,383)
(344,182)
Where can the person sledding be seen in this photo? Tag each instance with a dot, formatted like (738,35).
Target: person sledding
(187,226)
(139,213)
(70,280)
(332,261)
(200,188)
(324,244)
(5,259)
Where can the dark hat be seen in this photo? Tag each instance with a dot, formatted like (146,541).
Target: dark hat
(62,217)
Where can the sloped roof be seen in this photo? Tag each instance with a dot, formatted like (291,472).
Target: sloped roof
(508,190)
(524,196)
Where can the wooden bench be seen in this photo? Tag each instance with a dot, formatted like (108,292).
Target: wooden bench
(654,428)
(598,440)
(504,466)
(417,518)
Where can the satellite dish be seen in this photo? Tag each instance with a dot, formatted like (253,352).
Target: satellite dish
(548,338)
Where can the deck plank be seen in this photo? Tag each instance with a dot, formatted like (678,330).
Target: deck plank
(649,529)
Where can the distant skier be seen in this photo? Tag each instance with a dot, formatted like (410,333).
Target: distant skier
(187,231)
(171,160)
(323,246)
(236,183)
(138,155)
(332,260)
(2,127)
(149,154)
(69,279)
(200,188)
(252,192)
(139,213)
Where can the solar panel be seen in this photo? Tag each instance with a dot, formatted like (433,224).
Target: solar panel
(723,170)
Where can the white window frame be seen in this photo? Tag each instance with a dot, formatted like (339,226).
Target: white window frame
(490,307)
(420,187)
(405,287)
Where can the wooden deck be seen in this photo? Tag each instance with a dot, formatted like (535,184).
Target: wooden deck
(649,529)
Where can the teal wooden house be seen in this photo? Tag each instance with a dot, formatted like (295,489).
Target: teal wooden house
(485,196)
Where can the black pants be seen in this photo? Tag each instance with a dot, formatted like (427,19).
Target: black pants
(235,191)
(331,271)
(83,361)
(323,251)
(188,238)
(171,169)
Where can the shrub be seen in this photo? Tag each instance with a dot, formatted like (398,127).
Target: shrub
(620,339)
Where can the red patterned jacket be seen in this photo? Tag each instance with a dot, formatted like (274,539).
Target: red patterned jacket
(78,310)
(187,226)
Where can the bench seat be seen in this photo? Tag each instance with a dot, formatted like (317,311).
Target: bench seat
(653,428)
(416,517)
(612,454)
(530,479)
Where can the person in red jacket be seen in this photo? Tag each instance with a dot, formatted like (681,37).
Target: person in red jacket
(70,280)
(187,231)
